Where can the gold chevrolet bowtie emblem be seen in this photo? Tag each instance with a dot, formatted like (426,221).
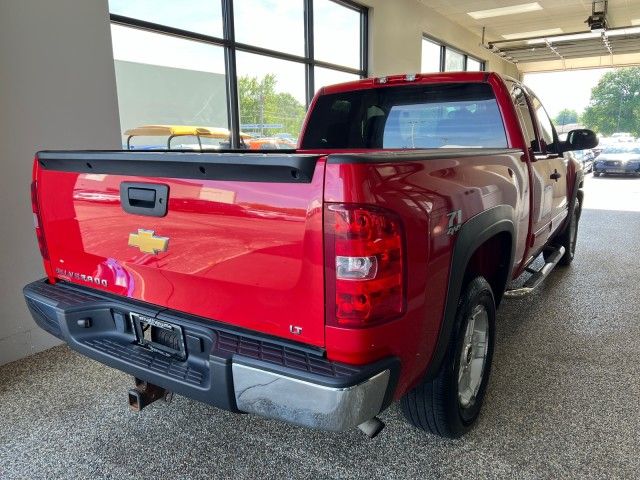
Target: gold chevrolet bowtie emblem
(147,242)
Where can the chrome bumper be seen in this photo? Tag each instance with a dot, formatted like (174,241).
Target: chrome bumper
(277,396)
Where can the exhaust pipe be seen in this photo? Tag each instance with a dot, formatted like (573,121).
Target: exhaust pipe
(372,427)
(144,394)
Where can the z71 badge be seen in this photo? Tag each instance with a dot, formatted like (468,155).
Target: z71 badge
(455,222)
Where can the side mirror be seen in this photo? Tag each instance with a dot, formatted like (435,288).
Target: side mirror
(581,139)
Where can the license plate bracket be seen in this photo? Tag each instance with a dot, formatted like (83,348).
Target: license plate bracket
(159,336)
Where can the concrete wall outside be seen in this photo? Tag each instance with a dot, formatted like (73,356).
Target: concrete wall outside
(57,91)
(155,94)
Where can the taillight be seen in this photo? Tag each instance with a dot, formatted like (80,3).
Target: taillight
(365,265)
(37,221)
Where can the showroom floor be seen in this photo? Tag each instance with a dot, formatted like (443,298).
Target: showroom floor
(563,399)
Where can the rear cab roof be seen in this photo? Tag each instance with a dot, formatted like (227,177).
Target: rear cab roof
(411,78)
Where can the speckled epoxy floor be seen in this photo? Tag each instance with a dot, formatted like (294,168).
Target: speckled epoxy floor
(563,402)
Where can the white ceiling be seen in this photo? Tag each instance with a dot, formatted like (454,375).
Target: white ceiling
(569,15)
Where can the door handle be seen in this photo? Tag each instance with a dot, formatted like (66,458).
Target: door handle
(555,175)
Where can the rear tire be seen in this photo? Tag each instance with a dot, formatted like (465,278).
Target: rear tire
(449,404)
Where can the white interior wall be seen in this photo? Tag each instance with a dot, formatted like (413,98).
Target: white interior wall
(397,27)
(57,91)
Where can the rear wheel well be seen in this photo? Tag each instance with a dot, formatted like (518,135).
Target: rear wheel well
(491,260)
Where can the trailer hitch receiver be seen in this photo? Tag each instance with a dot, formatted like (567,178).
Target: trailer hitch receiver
(145,393)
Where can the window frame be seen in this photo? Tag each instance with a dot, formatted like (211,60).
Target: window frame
(524,113)
(444,46)
(447,50)
(541,147)
(435,44)
(231,46)
(479,61)
(545,148)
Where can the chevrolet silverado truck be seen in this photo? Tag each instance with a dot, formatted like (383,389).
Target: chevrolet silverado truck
(316,285)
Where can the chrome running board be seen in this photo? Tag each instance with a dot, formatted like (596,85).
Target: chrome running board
(538,275)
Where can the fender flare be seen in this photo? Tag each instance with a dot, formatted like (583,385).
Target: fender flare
(472,234)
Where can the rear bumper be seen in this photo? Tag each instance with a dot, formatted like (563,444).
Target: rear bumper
(232,369)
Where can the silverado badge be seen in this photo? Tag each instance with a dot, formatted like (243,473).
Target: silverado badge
(147,242)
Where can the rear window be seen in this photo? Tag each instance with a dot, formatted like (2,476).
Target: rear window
(408,117)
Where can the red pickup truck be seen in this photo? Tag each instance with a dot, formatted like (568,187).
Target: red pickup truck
(315,285)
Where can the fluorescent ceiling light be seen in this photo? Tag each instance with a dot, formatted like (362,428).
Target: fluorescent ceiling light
(565,38)
(622,31)
(535,33)
(511,10)
(635,21)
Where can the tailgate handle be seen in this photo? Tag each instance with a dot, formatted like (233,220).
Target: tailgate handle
(142,197)
(148,199)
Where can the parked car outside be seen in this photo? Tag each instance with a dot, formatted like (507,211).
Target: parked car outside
(623,137)
(585,158)
(621,159)
(286,136)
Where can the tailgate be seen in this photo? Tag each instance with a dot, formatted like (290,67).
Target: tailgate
(241,241)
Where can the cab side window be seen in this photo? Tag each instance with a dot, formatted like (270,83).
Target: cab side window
(547,140)
(524,116)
